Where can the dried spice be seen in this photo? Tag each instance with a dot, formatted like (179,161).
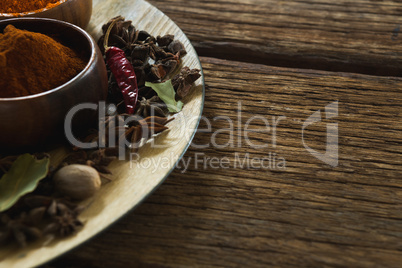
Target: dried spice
(22,178)
(47,63)
(122,71)
(18,229)
(137,129)
(77,182)
(50,211)
(166,93)
(151,106)
(36,216)
(21,6)
(154,59)
(39,213)
(183,81)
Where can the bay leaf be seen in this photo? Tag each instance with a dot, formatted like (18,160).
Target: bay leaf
(22,178)
(167,94)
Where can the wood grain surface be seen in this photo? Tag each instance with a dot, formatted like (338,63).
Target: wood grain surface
(348,36)
(275,60)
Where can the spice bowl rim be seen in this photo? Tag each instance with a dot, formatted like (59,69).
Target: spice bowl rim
(32,12)
(90,61)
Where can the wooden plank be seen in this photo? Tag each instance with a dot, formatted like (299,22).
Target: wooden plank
(352,36)
(310,214)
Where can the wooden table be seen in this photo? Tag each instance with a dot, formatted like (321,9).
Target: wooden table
(281,61)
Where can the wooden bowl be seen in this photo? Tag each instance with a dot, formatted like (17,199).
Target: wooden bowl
(77,12)
(32,121)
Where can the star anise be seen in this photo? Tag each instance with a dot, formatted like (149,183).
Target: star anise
(150,107)
(164,41)
(139,47)
(122,35)
(164,67)
(64,220)
(100,160)
(183,81)
(140,54)
(177,47)
(18,229)
(37,216)
(134,131)
(139,129)
(146,128)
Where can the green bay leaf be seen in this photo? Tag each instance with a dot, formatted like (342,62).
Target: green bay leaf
(22,178)
(167,94)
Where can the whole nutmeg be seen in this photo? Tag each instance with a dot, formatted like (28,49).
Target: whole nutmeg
(77,181)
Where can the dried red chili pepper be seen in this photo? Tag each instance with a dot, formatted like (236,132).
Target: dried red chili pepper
(123,72)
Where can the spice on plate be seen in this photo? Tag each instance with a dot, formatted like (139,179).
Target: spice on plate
(22,6)
(31,63)
(123,72)
(184,81)
(154,59)
(78,182)
(51,210)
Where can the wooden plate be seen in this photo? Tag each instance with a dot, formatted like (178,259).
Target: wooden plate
(133,180)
